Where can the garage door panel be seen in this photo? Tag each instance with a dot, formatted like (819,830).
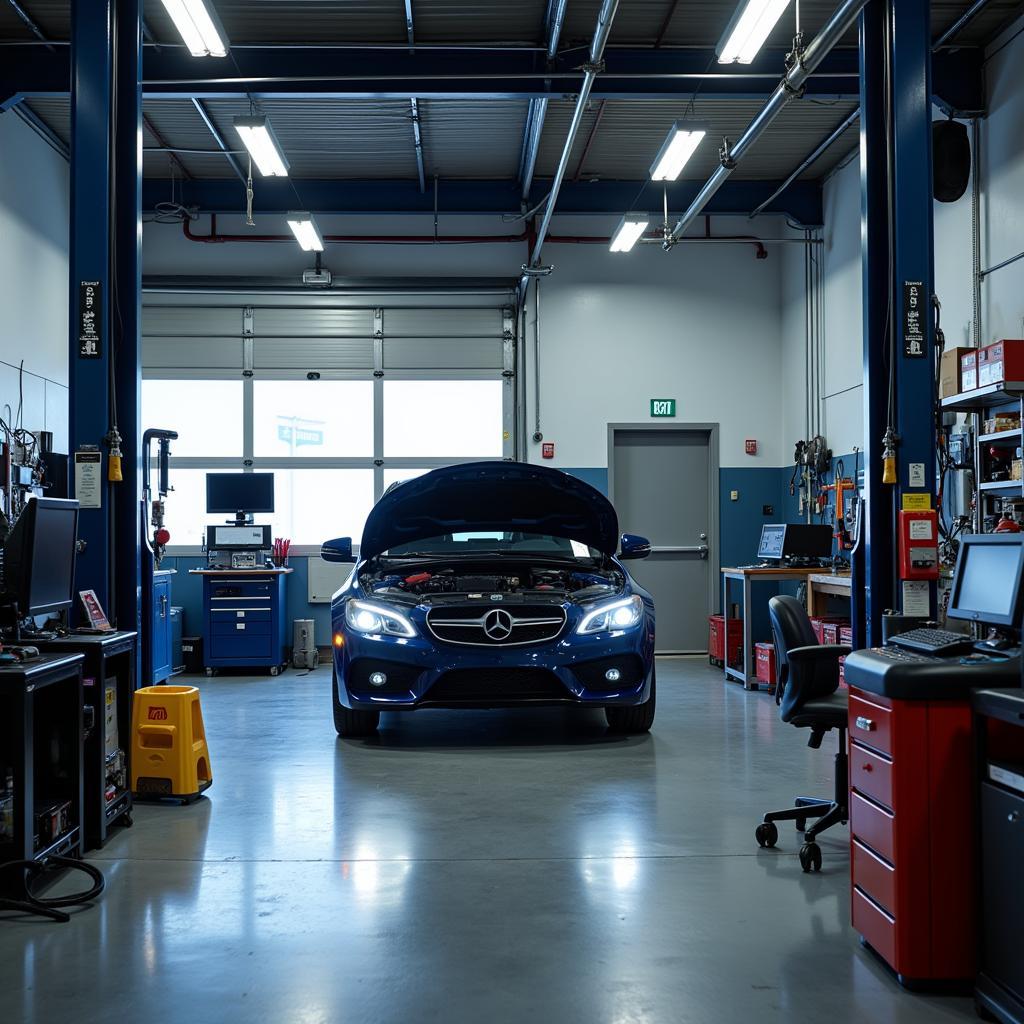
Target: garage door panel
(312,353)
(442,353)
(191,353)
(192,322)
(443,323)
(295,322)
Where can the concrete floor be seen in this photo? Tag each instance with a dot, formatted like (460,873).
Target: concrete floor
(476,866)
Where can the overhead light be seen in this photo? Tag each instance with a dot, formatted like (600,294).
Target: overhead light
(306,232)
(680,144)
(750,26)
(199,26)
(259,138)
(629,231)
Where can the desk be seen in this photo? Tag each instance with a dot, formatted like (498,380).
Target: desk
(748,577)
(109,661)
(41,746)
(821,585)
(244,618)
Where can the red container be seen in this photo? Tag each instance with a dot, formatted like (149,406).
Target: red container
(1003,361)
(819,622)
(845,637)
(765,659)
(716,640)
(830,630)
(969,371)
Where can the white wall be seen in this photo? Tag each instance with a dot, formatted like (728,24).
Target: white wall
(700,324)
(34,217)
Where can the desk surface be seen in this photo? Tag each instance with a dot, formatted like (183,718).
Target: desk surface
(115,638)
(831,579)
(782,572)
(239,572)
(39,671)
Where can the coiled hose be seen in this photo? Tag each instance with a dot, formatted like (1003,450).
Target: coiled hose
(33,870)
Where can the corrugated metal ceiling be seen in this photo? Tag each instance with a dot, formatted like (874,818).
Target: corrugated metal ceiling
(639,22)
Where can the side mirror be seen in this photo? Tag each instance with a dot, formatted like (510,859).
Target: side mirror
(634,546)
(337,550)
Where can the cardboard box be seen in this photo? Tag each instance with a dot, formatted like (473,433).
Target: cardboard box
(1015,469)
(1003,361)
(951,371)
(969,370)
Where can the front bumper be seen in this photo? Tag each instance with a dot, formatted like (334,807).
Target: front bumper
(422,672)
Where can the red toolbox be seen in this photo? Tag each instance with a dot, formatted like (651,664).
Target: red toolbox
(716,640)
(764,656)
(846,638)
(1002,361)
(829,622)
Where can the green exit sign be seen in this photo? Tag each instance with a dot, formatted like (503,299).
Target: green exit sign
(663,407)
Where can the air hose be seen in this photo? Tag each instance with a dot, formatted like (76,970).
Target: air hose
(50,907)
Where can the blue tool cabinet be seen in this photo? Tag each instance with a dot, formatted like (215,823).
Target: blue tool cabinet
(244,618)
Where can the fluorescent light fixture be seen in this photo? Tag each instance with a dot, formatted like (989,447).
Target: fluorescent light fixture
(628,233)
(750,26)
(680,144)
(307,234)
(199,26)
(258,137)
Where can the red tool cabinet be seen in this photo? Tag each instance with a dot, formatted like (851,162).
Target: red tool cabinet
(912,834)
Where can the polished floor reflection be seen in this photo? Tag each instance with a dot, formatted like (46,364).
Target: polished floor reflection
(478,866)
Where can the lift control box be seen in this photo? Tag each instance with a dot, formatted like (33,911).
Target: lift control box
(919,545)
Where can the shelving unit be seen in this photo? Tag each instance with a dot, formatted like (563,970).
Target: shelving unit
(1008,395)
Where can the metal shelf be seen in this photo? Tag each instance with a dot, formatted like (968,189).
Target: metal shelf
(1015,486)
(1001,436)
(984,398)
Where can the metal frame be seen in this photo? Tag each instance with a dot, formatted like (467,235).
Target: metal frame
(714,472)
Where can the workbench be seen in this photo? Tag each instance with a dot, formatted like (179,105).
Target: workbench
(41,747)
(244,618)
(748,576)
(109,661)
(822,585)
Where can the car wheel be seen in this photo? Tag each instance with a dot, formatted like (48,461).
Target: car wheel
(347,722)
(635,719)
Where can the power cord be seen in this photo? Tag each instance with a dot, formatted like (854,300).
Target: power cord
(50,907)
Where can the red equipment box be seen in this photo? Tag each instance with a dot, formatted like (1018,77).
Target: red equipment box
(969,371)
(830,622)
(919,545)
(1002,361)
(764,656)
(716,640)
(845,637)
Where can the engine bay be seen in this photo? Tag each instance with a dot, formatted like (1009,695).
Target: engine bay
(438,584)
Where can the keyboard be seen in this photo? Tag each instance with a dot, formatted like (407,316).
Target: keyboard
(895,654)
(933,641)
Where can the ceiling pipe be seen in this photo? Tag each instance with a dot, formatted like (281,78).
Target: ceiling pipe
(961,23)
(810,159)
(591,70)
(788,89)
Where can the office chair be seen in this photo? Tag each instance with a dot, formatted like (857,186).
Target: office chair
(807,679)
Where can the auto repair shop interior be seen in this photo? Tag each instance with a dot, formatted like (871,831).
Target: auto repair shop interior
(511,511)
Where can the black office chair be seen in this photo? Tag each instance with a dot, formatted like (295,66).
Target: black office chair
(807,678)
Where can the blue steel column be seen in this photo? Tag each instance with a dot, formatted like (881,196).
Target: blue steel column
(105,246)
(91,76)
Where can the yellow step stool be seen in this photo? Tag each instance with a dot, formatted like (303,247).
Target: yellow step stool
(170,758)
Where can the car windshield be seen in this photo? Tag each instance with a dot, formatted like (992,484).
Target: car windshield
(496,542)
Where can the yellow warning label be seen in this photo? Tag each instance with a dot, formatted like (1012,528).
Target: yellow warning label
(917,502)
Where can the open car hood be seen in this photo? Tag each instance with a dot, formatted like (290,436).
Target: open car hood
(482,496)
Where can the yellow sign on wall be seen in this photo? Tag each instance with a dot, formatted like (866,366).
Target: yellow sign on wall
(917,502)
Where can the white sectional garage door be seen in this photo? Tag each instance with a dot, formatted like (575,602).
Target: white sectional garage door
(338,397)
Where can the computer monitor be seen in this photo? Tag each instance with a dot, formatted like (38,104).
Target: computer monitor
(240,492)
(987,583)
(39,557)
(772,540)
(795,540)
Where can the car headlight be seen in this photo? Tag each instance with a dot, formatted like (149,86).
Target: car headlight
(375,619)
(613,615)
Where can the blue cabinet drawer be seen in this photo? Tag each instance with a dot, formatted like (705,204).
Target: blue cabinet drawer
(242,647)
(240,627)
(241,588)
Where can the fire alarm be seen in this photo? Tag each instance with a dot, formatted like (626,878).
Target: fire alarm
(750,446)
(547,450)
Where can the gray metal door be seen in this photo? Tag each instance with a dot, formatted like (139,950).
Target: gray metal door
(663,481)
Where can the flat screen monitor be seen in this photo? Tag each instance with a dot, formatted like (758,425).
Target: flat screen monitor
(239,492)
(987,582)
(39,557)
(772,540)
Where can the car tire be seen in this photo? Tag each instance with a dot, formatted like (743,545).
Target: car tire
(636,719)
(348,723)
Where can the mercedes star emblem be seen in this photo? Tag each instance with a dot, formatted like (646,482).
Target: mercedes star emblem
(498,624)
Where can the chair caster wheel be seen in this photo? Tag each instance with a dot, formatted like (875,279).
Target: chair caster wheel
(766,834)
(810,857)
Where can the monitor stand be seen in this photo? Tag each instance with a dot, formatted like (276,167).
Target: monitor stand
(242,518)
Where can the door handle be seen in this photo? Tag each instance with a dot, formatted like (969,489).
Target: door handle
(686,549)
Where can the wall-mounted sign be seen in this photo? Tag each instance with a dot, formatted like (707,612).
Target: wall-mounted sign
(914,310)
(547,450)
(90,324)
(750,446)
(663,407)
(89,477)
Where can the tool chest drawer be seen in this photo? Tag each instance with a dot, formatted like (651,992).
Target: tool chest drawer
(241,647)
(240,627)
(241,588)
(872,874)
(877,927)
(871,774)
(871,724)
(873,825)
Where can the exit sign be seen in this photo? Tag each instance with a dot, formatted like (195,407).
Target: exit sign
(663,407)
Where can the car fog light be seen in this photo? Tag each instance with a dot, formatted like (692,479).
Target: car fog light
(378,678)
(613,675)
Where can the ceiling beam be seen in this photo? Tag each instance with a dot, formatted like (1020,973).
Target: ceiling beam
(417,141)
(220,140)
(410,30)
(27,20)
(160,141)
(801,201)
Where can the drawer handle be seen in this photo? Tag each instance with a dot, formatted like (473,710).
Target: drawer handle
(868,767)
(865,723)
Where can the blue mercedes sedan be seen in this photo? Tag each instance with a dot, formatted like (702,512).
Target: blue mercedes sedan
(492,585)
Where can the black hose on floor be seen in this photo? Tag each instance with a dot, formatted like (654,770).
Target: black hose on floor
(33,870)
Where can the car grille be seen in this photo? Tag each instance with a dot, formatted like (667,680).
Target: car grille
(511,626)
(483,686)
